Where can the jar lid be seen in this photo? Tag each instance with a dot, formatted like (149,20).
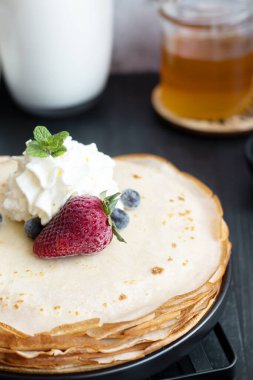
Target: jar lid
(207,13)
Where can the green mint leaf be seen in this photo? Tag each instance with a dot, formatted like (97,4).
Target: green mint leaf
(46,144)
(35,150)
(59,152)
(60,137)
(52,144)
(41,134)
(57,140)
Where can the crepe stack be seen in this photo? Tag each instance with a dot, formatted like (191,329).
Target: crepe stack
(85,313)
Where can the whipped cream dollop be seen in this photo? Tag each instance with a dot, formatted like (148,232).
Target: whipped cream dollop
(41,186)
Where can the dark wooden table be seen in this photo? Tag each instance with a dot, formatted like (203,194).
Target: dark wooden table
(123,121)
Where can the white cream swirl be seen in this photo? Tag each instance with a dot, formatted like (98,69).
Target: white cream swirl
(41,186)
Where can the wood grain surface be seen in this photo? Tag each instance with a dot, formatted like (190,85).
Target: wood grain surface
(123,121)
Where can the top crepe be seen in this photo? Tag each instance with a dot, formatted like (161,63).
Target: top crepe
(174,245)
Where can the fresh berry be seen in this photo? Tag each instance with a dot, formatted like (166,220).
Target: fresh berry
(83,226)
(1,218)
(130,198)
(33,227)
(120,218)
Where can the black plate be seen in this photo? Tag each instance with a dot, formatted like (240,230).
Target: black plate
(249,152)
(153,363)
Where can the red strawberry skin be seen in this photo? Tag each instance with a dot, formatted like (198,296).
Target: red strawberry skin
(80,227)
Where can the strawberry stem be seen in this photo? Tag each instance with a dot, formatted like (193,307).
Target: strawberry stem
(116,233)
(109,203)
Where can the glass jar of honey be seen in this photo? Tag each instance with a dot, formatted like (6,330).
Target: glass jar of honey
(207,57)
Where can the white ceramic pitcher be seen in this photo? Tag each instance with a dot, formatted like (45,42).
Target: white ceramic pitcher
(55,54)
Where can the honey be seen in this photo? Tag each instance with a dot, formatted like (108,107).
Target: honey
(207,78)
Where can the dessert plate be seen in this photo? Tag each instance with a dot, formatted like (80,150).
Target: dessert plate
(155,362)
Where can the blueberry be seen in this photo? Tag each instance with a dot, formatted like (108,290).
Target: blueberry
(1,218)
(130,198)
(120,218)
(33,227)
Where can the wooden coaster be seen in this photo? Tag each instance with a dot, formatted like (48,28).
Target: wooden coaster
(237,124)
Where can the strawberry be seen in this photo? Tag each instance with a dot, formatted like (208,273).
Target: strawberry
(83,226)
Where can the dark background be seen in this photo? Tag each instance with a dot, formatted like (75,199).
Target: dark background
(123,121)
